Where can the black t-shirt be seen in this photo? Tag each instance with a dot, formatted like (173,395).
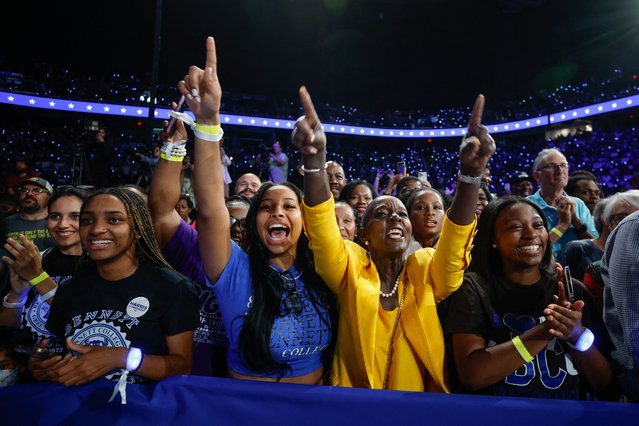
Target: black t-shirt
(502,310)
(140,310)
(60,268)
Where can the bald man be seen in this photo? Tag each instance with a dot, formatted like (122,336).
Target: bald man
(247,185)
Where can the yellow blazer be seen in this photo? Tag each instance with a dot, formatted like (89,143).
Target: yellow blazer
(431,275)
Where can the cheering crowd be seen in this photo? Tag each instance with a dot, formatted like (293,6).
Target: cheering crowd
(397,286)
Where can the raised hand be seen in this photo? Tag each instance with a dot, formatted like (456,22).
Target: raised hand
(27,260)
(308,134)
(202,89)
(178,133)
(477,146)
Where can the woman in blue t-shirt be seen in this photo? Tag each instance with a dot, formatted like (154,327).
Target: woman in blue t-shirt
(276,310)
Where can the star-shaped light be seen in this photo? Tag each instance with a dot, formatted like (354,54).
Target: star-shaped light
(106,109)
(122,110)
(139,112)
(32,101)
(89,107)
(51,104)
(71,106)
(11,98)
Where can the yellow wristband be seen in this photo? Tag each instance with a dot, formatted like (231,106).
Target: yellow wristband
(171,158)
(37,280)
(523,352)
(557,232)
(211,129)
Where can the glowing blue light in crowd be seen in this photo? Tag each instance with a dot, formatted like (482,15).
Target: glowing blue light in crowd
(72,105)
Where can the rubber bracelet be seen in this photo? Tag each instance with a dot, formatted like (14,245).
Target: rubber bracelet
(48,295)
(37,280)
(18,304)
(211,133)
(473,180)
(523,352)
(211,129)
(557,232)
(584,342)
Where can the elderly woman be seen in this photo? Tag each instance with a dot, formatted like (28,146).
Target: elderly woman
(389,336)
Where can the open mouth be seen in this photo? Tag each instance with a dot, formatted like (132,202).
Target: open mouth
(278,232)
(395,234)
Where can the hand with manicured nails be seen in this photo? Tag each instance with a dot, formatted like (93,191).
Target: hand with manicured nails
(202,89)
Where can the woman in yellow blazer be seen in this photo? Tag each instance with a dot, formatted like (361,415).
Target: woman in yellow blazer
(389,334)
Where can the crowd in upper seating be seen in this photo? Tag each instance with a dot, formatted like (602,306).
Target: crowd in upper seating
(49,80)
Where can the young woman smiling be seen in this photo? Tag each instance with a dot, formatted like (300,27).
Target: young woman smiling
(514,330)
(276,310)
(125,309)
(54,266)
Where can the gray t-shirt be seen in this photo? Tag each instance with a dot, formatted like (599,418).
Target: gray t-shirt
(35,230)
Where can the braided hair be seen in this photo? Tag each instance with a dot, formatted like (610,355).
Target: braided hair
(147,248)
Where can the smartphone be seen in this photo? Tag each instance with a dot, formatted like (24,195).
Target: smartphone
(180,107)
(34,351)
(401,166)
(570,289)
(422,176)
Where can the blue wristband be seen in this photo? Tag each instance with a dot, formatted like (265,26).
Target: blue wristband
(584,342)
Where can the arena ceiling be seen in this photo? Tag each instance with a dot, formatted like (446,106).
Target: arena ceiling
(372,53)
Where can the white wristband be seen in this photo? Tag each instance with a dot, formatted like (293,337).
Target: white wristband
(18,304)
(207,136)
(48,295)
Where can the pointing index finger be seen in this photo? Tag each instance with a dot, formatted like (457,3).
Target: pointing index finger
(477,113)
(309,108)
(211,55)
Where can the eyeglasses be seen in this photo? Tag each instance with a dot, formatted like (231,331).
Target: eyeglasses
(239,222)
(554,167)
(31,190)
(293,302)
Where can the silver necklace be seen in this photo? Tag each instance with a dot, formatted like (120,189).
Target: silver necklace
(394,290)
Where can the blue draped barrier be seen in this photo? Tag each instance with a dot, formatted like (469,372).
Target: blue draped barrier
(191,400)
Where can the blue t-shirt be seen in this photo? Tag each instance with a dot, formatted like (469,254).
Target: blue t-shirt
(297,340)
(552,218)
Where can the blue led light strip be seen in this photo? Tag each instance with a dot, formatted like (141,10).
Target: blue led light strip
(274,123)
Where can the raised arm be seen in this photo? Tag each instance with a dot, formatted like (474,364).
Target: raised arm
(165,187)
(476,149)
(309,137)
(27,264)
(203,95)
